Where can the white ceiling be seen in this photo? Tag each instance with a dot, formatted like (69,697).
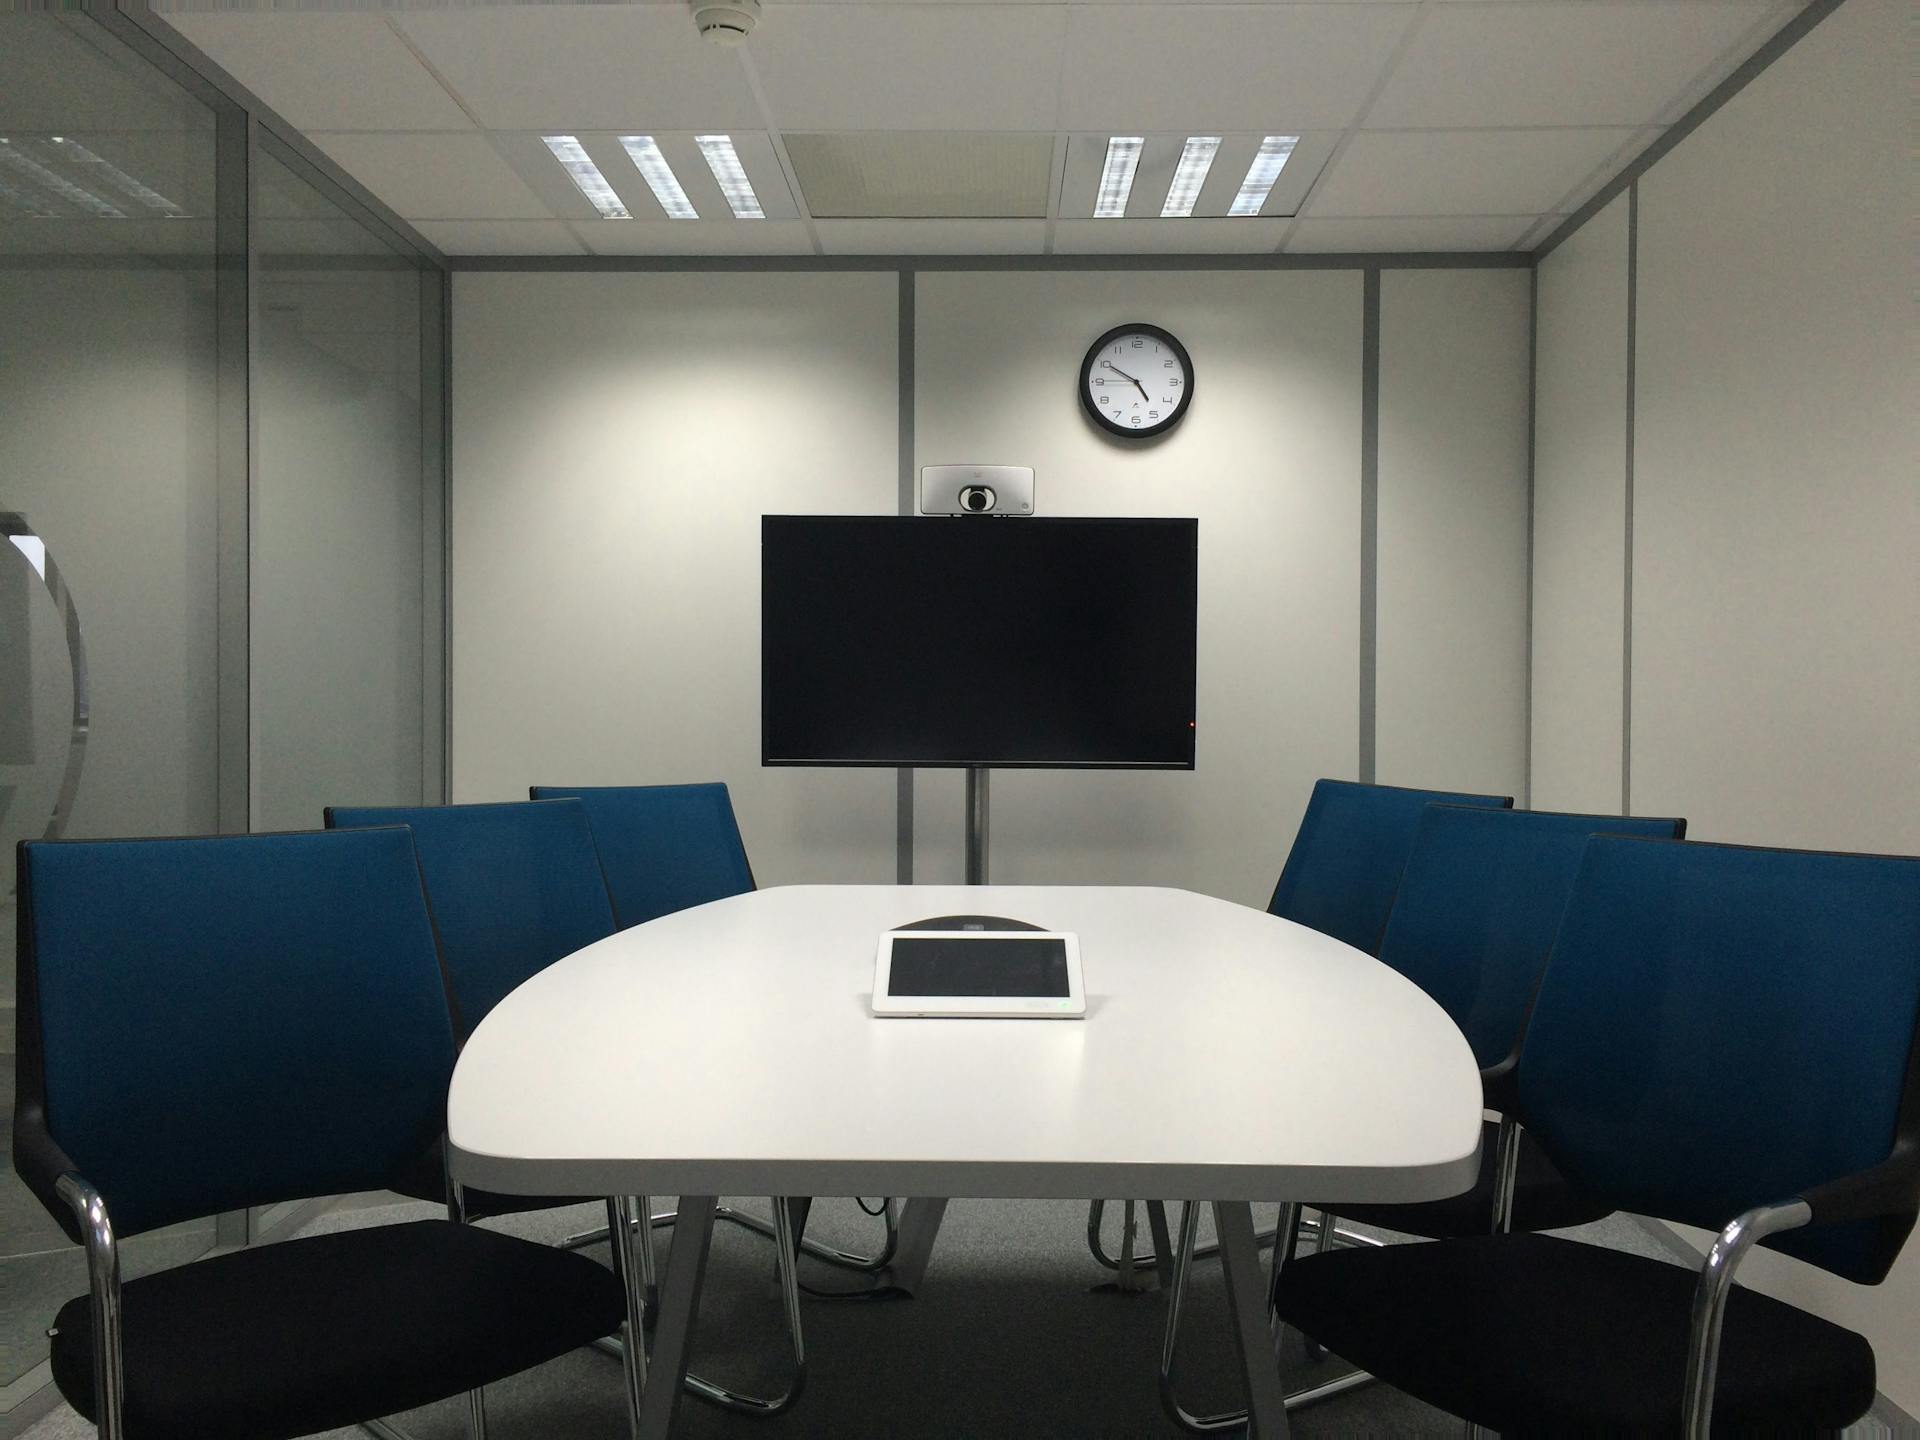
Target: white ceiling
(1424,124)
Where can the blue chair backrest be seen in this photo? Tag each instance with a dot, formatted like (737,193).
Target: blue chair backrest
(1721,1027)
(1341,875)
(1480,903)
(513,886)
(216,1023)
(665,847)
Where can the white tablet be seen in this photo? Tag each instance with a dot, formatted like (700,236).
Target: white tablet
(1026,974)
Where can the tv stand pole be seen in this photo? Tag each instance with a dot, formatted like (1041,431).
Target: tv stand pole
(976,825)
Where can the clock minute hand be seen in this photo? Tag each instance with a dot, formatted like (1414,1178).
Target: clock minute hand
(1124,376)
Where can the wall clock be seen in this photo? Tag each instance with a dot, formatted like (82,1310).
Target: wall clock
(1136,381)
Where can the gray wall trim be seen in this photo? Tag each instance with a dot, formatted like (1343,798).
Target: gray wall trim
(1533,409)
(236,452)
(1777,45)
(1476,260)
(1626,581)
(903,777)
(435,443)
(1369,520)
(188,64)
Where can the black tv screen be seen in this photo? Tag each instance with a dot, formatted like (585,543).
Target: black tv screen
(1063,643)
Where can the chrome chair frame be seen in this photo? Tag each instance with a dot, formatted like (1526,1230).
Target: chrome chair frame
(746,1220)
(1160,1258)
(637,1267)
(1507,1162)
(1730,1247)
(109,1356)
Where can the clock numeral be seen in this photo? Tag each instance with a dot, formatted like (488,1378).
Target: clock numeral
(1099,382)
(1174,383)
(1166,364)
(1116,349)
(1166,399)
(1136,419)
(1153,414)
(1139,344)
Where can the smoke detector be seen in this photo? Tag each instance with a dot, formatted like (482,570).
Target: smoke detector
(725,22)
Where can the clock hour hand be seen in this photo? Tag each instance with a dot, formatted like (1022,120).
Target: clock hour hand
(1124,376)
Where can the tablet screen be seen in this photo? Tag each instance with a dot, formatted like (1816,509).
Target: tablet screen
(986,965)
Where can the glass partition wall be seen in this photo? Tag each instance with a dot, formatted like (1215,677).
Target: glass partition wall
(221,511)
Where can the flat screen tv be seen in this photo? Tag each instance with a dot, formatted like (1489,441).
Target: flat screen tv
(1055,643)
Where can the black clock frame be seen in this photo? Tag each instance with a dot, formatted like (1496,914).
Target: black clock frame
(1136,432)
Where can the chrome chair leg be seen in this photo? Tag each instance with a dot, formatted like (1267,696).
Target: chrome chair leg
(1184,1254)
(477,1414)
(746,1220)
(787,1260)
(635,1285)
(636,1267)
(1096,1245)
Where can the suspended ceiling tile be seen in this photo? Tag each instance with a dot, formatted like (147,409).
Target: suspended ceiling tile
(502,237)
(1403,234)
(1558,64)
(1460,172)
(325,71)
(695,237)
(1246,235)
(932,237)
(593,67)
(911,67)
(1201,68)
(912,175)
(435,177)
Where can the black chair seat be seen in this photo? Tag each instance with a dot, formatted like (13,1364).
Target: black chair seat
(318,1333)
(1542,1200)
(1536,1334)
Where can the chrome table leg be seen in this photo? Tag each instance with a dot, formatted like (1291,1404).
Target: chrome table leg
(1247,1307)
(919,1226)
(679,1303)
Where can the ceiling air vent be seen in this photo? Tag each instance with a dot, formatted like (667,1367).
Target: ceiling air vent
(913,175)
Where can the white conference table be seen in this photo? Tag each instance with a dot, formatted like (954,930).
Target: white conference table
(1226,1056)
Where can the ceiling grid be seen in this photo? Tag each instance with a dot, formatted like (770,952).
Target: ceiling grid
(1423,125)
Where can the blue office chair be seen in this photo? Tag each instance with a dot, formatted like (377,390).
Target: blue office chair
(212,1024)
(516,886)
(1340,878)
(667,848)
(1344,868)
(1724,1037)
(664,847)
(1478,907)
(1474,921)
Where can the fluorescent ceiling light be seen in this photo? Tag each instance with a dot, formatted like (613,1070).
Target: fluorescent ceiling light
(74,153)
(1116,176)
(16,159)
(586,177)
(1267,164)
(658,174)
(731,175)
(26,202)
(1196,158)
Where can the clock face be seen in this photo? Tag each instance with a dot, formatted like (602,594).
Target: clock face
(1137,380)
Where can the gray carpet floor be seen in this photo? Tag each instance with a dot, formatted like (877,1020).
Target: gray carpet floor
(1010,1336)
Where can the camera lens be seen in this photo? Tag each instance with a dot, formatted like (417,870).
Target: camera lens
(976,498)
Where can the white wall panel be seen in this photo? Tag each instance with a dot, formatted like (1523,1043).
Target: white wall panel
(1452,689)
(1579,518)
(617,438)
(1268,459)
